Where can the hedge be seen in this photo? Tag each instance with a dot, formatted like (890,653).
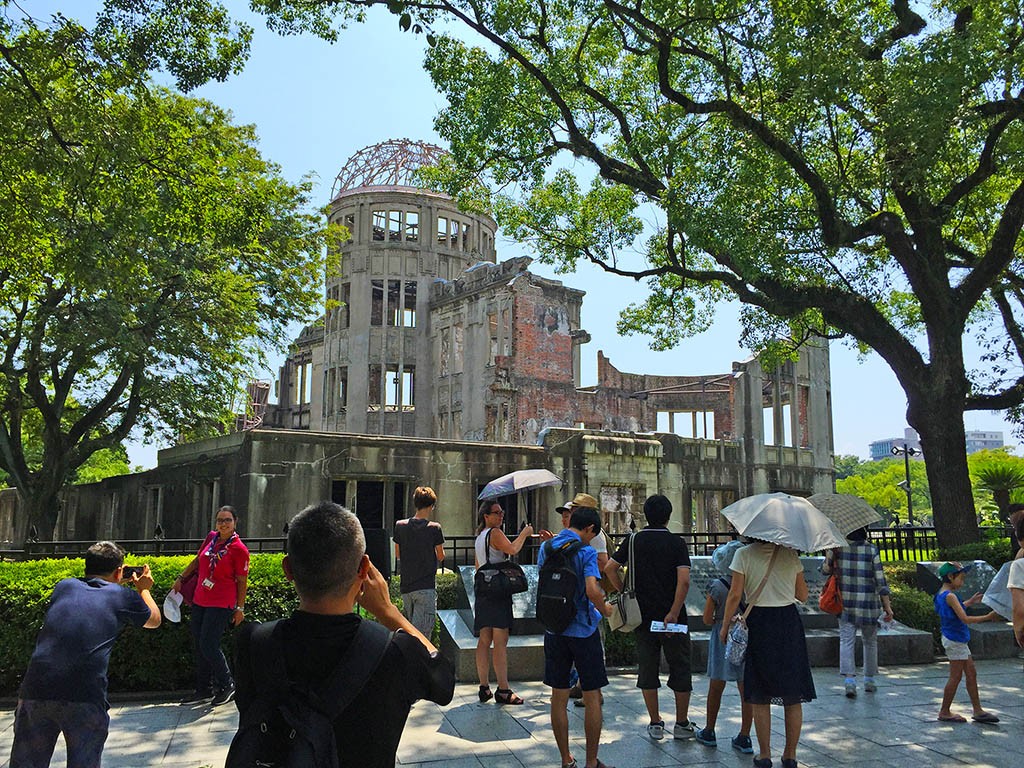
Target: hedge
(142,659)
(161,659)
(994,551)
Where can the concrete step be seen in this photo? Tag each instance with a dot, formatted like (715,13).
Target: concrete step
(901,645)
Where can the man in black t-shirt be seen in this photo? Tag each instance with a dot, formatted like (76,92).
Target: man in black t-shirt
(327,561)
(419,544)
(661,576)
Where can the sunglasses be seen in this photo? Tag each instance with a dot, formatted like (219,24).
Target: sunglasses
(225,520)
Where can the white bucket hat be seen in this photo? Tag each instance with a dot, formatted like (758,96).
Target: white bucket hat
(172,606)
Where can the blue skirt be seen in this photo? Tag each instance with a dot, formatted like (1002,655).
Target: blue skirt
(777,670)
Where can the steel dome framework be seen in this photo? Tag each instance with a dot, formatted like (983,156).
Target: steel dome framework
(390,163)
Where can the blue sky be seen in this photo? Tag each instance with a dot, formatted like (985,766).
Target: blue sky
(316,104)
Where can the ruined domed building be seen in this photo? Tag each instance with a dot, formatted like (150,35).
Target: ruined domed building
(437,364)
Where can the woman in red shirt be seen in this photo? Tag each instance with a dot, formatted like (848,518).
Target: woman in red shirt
(223,572)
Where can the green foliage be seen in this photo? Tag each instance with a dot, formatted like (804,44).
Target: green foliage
(915,609)
(877,483)
(901,572)
(997,477)
(149,254)
(619,647)
(994,552)
(842,169)
(846,465)
(142,659)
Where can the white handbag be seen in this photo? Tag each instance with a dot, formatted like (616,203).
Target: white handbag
(626,616)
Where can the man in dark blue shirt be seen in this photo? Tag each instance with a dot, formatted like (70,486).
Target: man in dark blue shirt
(580,643)
(65,686)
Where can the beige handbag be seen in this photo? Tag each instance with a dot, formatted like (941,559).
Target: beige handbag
(626,616)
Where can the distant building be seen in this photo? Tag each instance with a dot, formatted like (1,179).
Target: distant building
(976,441)
(983,441)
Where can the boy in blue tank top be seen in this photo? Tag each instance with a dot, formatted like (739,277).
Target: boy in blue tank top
(955,636)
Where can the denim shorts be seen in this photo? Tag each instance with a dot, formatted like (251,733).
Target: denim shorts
(587,653)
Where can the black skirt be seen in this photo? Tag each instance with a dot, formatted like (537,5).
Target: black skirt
(493,612)
(777,670)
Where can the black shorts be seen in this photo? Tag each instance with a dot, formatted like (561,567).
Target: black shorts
(649,646)
(586,653)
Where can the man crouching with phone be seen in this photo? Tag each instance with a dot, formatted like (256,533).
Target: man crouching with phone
(65,686)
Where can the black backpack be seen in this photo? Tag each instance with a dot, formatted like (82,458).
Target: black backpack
(290,726)
(557,586)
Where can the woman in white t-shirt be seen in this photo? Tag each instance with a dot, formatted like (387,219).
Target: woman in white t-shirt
(777,670)
(1015,581)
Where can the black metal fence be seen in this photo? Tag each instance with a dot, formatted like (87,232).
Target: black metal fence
(904,543)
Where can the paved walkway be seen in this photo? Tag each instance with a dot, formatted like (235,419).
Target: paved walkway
(895,726)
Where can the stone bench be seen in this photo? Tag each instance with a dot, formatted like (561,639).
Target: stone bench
(901,645)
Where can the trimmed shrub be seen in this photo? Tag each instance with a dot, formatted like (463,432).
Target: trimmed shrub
(995,552)
(901,572)
(142,659)
(619,647)
(916,609)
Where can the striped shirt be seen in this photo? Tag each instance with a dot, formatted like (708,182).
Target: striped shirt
(861,581)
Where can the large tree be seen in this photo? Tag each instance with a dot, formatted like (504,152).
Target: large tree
(148,253)
(845,169)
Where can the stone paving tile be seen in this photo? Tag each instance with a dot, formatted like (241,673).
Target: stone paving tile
(895,726)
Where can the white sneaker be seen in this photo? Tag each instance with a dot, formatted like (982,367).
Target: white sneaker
(656,730)
(684,731)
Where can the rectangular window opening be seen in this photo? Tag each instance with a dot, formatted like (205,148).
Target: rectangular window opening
(373,392)
(394,303)
(344,299)
(409,310)
(350,225)
(376,302)
(380,220)
(442,230)
(412,226)
(394,226)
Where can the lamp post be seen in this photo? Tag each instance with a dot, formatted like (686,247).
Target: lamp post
(906,451)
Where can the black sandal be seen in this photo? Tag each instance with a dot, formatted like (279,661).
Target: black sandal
(506,696)
(485,693)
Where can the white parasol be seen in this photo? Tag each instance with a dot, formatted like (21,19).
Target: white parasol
(790,521)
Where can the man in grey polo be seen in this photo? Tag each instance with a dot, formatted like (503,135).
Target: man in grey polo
(419,545)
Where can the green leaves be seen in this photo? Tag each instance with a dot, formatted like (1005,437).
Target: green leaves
(148,252)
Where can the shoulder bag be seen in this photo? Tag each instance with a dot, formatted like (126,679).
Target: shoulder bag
(626,616)
(831,599)
(189,584)
(736,644)
(501,579)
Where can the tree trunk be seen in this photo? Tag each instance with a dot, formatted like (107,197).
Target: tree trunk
(940,423)
(42,505)
(1001,496)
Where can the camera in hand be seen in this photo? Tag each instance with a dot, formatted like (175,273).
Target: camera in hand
(132,570)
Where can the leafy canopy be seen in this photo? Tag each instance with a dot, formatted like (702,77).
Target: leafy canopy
(148,253)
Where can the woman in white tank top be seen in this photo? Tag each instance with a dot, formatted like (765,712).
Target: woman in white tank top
(492,617)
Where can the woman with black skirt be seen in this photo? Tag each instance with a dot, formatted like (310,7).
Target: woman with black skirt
(777,670)
(492,616)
